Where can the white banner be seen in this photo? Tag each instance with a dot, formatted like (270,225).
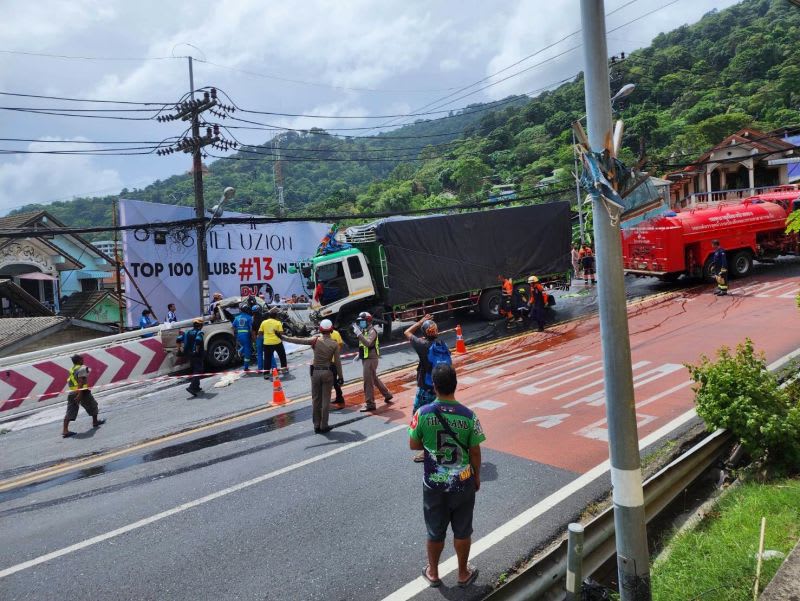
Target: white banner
(243,259)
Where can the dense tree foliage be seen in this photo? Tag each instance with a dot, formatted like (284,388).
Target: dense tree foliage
(694,86)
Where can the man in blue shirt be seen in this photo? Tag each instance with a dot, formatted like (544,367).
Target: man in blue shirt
(147,321)
(194,349)
(172,316)
(719,268)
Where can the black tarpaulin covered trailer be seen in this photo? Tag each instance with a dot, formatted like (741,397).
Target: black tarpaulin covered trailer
(441,255)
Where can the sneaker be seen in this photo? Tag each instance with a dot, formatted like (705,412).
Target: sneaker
(99,423)
(192,391)
(388,399)
(367,408)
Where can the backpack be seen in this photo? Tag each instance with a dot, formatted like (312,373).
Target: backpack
(438,354)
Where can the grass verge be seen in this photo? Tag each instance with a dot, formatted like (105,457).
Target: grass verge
(717,560)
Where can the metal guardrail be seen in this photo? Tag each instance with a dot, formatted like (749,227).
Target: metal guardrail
(544,579)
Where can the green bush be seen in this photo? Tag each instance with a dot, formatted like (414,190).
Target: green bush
(738,393)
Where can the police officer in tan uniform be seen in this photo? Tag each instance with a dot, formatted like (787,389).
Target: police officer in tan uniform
(326,350)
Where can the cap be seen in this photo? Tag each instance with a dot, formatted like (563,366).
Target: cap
(533,280)
(325,325)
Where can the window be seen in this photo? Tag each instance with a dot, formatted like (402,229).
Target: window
(354,264)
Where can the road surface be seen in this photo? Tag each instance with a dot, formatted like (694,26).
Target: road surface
(256,506)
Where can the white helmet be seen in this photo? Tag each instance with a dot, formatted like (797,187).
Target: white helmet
(326,325)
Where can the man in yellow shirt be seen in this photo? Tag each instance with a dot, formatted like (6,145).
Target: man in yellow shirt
(339,400)
(269,330)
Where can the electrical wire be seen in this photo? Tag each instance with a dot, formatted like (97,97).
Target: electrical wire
(185,223)
(90,58)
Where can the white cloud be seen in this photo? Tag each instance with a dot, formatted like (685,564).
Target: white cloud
(46,177)
(449,64)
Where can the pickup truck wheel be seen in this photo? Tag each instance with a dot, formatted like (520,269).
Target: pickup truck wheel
(490,304)
(220,353)
(741,264)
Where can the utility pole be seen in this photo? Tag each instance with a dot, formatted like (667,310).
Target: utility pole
(578,196)
(277,171)
(199,204)
(633,560)
(191,111)
(118,266)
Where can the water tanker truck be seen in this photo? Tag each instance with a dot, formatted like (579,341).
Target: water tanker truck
(676,244)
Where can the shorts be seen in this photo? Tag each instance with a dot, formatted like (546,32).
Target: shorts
(87,402)
(424,396)
(442,508)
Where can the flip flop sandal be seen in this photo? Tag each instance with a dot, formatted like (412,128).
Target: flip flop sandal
(433,583)
(472,578)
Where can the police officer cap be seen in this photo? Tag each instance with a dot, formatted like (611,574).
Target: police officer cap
(325,325)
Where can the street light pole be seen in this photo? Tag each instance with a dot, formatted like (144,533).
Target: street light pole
(626,475)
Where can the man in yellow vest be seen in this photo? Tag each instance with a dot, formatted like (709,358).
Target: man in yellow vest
(369,350)
(339,400)
(79,394)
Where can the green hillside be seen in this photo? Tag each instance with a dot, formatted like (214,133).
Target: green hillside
(694,86)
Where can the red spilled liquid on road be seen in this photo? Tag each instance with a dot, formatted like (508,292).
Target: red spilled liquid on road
(541,396)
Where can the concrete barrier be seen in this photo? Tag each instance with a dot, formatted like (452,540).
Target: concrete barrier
(40,378)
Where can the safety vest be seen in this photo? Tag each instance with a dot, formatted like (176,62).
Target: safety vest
(508,287)
(365,349)
(72,381)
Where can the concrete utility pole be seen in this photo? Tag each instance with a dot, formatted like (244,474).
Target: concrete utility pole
(199,204)
(633,560)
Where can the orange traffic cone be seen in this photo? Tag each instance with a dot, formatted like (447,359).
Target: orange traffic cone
(278,398)
(461,348)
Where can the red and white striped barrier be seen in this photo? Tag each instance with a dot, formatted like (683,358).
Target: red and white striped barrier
(27,385)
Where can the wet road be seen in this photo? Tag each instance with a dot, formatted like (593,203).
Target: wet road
(258,507)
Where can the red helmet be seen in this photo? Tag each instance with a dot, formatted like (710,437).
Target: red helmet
(365,315)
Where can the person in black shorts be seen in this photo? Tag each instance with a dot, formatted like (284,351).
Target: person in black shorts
(450,435)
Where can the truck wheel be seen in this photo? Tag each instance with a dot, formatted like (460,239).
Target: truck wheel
(707,267)
(741,264)
(220,353)
(490,304)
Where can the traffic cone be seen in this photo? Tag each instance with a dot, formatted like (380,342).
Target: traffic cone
(278,398)
(461,348)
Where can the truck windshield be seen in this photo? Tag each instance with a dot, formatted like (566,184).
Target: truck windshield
(331,278)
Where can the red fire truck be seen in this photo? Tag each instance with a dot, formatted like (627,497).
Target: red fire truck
(676,244)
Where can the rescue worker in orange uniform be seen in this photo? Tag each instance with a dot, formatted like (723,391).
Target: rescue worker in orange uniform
(506,308)
(537,299)
(587,264)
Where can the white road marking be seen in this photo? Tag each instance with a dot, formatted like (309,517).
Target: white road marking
(417,586)
(791,294)
(489,405)
(499,370)
(559,379)
(547,421)
(599,398)
(537,372)
(770,291)
(595,430)
(190,505)
(596,383)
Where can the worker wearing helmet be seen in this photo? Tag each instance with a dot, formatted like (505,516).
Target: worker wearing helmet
(537,300)
(719,268)
(369,351)
(326,351)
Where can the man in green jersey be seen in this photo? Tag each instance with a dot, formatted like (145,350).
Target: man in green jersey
(450,435)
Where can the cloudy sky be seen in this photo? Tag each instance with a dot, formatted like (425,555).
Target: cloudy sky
(354,58)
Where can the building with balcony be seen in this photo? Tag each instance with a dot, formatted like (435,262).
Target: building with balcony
(736,168)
